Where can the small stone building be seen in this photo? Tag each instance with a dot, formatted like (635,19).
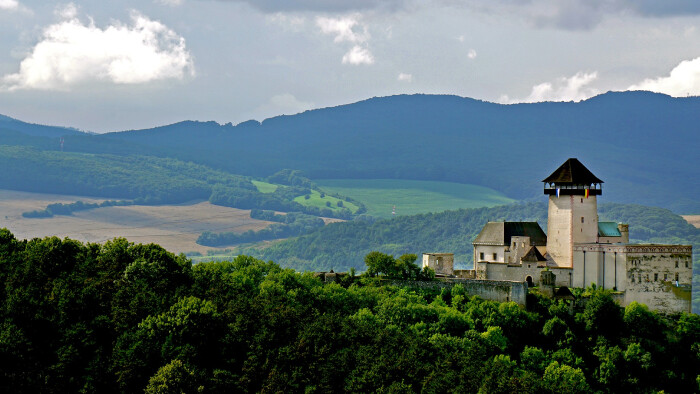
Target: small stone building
(441,263)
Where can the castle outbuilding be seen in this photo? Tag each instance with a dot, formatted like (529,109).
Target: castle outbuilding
(580,250)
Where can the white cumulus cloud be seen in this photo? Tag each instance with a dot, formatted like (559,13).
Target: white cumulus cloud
(345,29)
(72,52)
(574,88)
(10,5)
(348,29)
(358,55)
(684,79)
(471,54)
(405,77)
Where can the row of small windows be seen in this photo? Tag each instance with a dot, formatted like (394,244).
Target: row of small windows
(646,277)
(636,263)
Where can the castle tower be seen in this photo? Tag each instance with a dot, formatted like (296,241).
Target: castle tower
(573,210)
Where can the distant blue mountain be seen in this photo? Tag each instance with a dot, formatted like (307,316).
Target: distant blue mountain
(645,146)
(10,124)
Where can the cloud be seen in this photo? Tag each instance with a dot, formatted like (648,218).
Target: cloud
(287,21)
(344,29)
(405,77)
(10,5)
(358,55)
(71,53)
(337,6)
(574,88)
(173,3)
(14,6)
(471,54)
(579,14)
(666,7)
(287,103)
(282,104)
(684,79)
(348,29)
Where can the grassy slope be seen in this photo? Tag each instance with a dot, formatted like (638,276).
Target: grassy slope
(317,201)
(413,197)
(264,187)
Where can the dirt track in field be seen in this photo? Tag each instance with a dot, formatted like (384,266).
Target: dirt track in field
(175,227)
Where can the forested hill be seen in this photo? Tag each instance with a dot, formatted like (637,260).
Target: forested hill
(9,125)
(340,246)
(642,144)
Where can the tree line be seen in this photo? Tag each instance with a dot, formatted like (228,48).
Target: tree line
(120,317)
(147,180)
(290,225)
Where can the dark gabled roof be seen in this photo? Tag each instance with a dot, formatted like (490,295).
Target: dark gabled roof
(572,172)
(563,293)
(608,229)
(533,256)
(499,233)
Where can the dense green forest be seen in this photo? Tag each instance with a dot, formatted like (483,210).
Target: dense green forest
(120,317)
(144,180)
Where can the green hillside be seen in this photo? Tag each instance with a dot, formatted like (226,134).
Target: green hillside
(149,180)
(413,197)
(322,200)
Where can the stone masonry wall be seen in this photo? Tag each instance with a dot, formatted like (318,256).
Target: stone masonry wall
(494,290)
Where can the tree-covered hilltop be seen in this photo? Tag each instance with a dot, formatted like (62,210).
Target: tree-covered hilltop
(120,317)
(143,180)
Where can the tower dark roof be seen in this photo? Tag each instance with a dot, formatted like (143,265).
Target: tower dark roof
(572,172)
(499,233)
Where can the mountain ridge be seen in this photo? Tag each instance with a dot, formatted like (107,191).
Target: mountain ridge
(642,144)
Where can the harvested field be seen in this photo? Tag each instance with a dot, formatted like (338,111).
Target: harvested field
(175,227)
(692,219)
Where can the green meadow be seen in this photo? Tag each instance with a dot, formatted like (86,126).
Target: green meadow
(315,200)
(412,197)
(264,187)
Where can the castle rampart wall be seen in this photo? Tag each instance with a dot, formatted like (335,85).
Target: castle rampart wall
(494,290)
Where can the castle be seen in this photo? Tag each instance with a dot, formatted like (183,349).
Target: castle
(580,250)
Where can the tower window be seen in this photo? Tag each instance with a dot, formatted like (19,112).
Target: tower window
(481,256)
(581,219)
(665,276)
(656,277)
(686,264)
(582,200)
(495,256)
(676,276)
(676,264)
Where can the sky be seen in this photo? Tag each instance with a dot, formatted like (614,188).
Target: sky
(118,65)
